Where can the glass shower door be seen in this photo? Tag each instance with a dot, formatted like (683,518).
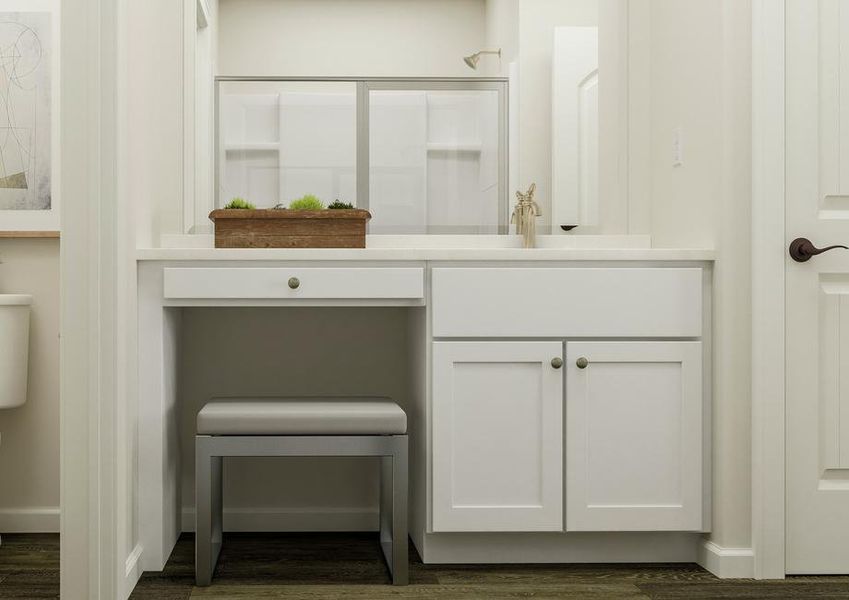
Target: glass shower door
(422,155)
(435,161)
(279,141)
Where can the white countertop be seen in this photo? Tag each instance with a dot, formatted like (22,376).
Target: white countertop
(425,254)
(436,248)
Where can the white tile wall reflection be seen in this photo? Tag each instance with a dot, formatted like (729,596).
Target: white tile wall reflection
(433,154)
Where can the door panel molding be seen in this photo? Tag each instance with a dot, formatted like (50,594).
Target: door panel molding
(833,359)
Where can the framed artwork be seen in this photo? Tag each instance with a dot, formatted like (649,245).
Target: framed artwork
(28,130)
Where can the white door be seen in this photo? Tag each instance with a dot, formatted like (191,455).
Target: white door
(497,436)
(574,126)
(817,304)
(634,443)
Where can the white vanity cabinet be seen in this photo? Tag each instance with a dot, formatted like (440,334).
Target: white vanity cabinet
(497,436)
(634,426)
(631,425)
(516,453)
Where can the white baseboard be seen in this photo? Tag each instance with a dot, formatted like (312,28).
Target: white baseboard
(292,519)
(602,547)
(29,520)
(132,570)
(131,565)
(727,563)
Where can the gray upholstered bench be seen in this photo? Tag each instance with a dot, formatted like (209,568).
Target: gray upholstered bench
(301,427)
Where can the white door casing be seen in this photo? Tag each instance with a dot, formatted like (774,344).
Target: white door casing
(634,416)
(497,436)
(817,291)
(768,287)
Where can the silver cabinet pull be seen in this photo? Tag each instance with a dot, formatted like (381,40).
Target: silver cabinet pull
(556,362)
(582,363)
(294,283)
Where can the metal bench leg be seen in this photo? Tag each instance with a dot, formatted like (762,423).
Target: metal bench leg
(386,506)
(393,511)
(217,507)
(208,514)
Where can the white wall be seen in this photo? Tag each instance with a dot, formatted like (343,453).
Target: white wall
(502,31)
(29,451)
(700,81)
(152,84)
(203,49)
(686,92)
(349,37)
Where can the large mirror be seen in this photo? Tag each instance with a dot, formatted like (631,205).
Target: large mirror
(435,123)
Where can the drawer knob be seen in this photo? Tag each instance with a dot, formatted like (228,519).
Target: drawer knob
(294,283)
(582,363)
(556,362)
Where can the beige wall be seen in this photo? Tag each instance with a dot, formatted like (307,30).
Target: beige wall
(29,451)
(700,78)
(349,37)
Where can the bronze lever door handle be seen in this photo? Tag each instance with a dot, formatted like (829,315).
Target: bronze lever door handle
(802,249)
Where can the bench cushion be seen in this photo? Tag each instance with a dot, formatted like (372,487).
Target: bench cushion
(302,416)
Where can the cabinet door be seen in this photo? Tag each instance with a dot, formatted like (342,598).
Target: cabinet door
(634,436)
(497,436)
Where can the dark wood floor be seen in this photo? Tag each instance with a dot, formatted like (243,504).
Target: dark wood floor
(29,566)
(318,566)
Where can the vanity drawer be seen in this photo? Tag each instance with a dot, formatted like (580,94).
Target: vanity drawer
(283,282)
(567,302)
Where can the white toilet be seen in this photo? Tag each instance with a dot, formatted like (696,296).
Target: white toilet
(14,349)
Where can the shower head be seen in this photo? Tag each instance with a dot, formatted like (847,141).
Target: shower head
(473,59)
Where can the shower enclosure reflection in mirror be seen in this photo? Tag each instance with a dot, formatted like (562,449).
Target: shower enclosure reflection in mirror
(423,155)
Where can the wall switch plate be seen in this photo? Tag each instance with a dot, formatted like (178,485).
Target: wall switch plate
(677,147)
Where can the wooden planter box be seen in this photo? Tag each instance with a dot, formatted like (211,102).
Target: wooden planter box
(276,228)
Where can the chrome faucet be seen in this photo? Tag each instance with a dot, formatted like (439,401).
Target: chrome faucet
(525,215)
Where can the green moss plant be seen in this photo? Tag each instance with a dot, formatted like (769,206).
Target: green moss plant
(240,203)
(338,205)
(308,202)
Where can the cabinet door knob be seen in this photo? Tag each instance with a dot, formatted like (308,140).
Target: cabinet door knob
(582,363)
(556,362)
(294,283)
